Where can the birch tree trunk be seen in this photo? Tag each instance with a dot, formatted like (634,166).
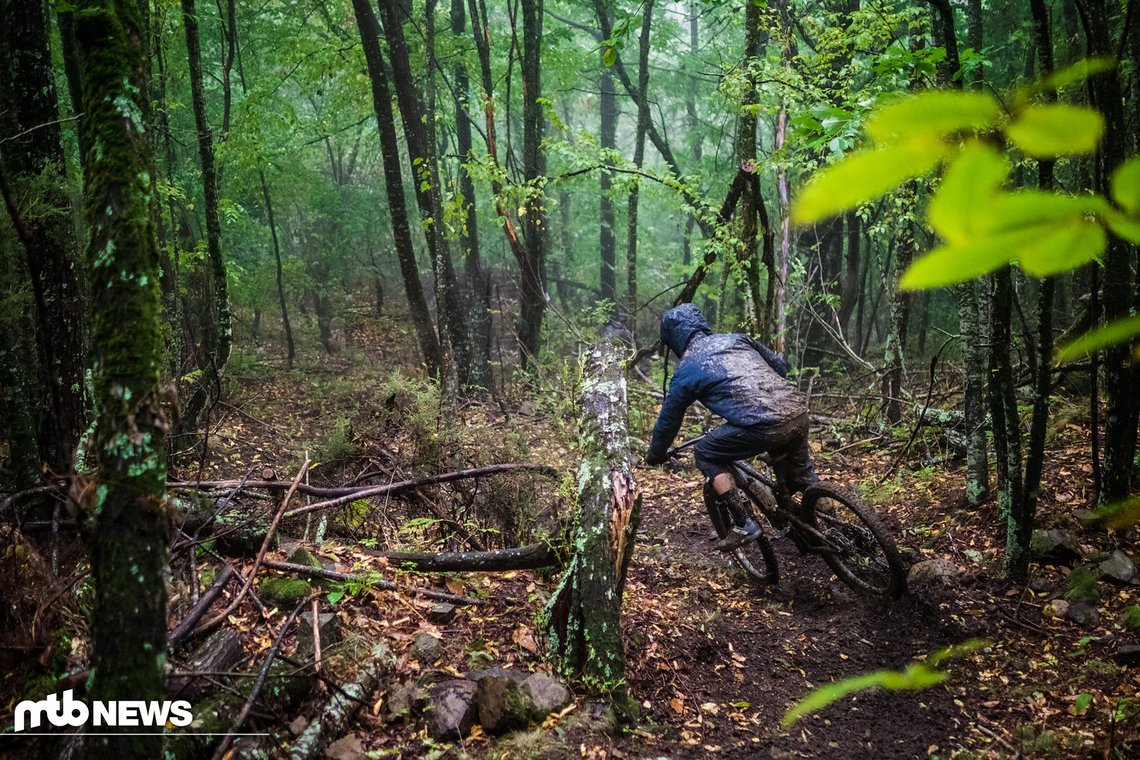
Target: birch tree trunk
(584,614)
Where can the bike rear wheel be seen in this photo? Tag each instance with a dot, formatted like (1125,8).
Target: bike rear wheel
(756,558)
(859,550)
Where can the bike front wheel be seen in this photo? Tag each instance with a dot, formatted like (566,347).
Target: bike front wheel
(755,558)
(856,546)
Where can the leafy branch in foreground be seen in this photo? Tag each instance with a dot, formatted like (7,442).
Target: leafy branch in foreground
(918,675)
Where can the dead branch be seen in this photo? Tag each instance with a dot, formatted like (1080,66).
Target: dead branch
(360,491)
(528,557)
(334,715)
(333,575)
(262,676)
(247,581)
(406,485)
(183,629)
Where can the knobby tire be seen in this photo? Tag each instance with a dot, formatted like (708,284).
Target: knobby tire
(756,558)
(868,560)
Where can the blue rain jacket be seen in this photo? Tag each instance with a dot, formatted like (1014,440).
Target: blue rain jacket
(733,375)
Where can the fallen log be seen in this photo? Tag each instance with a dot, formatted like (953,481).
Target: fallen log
(529,557)
(183,629)
(361,491)
(262,676)
(333,575)
(335,715)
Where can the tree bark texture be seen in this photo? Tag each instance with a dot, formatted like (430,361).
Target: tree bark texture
(532,304)
(34,159)
(638,159)
(584,614)
(125,503)
(607,140)
(478,283)
(394,185)
(454,341)
(1119,267)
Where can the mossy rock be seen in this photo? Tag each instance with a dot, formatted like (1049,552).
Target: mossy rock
(1095,666)
(1082,586)
(285,592)
(1130,618)
(301,556)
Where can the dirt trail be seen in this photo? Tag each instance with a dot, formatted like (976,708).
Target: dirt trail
(721,662)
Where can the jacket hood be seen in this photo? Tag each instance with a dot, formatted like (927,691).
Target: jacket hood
(680,324)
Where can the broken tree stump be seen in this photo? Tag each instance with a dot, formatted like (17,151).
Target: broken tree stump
(584,615)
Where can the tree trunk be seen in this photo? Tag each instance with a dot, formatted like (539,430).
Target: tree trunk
(968,296)
(477,286)
(219,338)
(394,185)
(584,614)
(693,122)
(42,218)
(746,160)
(533,296)
(607,140)
(638,158)
(425,180)
(128,536)
(1119,277)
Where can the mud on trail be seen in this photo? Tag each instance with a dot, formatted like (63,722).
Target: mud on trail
(720,661)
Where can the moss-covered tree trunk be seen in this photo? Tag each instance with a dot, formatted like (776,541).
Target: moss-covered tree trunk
(125,502)
(33,162)
(478,282)
(584,615)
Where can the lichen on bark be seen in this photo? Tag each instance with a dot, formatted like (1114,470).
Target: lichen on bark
(584,614)
(126,527)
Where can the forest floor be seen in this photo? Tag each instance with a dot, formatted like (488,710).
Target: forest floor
(713,662)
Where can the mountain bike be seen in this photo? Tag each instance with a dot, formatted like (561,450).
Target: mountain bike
(826,520)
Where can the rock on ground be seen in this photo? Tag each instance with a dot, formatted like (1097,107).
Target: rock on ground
(502,704)
(452,711)
(937,570)
(546,694)
(1118,567)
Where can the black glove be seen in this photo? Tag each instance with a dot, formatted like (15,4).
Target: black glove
(654,457)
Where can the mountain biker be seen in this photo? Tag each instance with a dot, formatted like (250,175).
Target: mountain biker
(745,382)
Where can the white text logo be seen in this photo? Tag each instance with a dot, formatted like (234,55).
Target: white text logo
(69,712)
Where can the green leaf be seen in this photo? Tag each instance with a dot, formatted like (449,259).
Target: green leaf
(1048,131)
(1119,514)
(970,179)
(1126,186)
(828,693)
(861,177)
(609,56)
(1081,704)
(936,113)
(1118,331)
(1124,227)
(956,263)
(916,676)
(1078,72)
(1062,248)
